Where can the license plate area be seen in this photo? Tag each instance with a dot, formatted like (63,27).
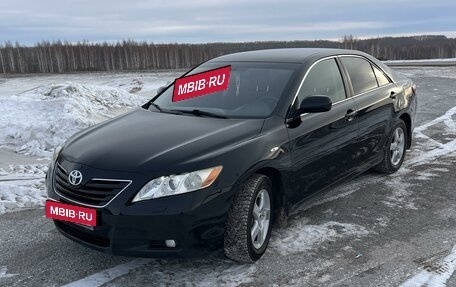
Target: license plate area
(82,216)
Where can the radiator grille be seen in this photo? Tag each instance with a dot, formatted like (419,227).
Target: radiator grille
(96,192)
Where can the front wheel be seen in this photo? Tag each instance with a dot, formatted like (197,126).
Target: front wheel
(394,154)
(249,222)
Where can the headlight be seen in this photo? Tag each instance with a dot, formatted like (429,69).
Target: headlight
(177,184)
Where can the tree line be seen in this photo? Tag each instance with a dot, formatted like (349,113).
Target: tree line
(128,55)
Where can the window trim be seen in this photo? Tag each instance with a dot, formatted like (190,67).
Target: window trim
(350,80)
(347,94)
(370,62)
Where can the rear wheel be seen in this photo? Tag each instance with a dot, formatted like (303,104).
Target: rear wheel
(249,222)
(394,154)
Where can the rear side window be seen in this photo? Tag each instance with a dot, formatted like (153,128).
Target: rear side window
(361,74)
(381,78)
(323,79)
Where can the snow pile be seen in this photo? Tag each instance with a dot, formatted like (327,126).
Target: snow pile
(134,86)
(36,121)
(302,236)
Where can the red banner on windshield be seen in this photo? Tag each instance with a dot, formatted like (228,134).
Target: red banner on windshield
(201,84)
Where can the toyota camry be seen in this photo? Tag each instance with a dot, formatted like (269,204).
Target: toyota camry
(216,156)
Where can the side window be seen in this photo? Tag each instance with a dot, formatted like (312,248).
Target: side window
(381,78)
(323,79)
(361,74)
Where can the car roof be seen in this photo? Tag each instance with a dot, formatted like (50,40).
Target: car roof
(299,55)
(288,55)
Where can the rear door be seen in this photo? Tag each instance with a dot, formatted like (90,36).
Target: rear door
(372,91)
(322,144)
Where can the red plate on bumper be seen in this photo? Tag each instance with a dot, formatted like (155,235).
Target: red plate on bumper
(71,213)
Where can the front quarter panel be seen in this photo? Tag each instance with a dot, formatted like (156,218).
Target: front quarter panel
(267,150)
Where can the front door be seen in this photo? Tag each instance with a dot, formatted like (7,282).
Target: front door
(322,145)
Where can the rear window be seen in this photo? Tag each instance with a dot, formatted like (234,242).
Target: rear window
(381,78)
(361,74)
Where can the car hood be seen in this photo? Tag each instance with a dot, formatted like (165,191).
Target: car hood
(144,141)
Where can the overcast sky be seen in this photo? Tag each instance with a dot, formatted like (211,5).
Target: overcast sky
(196,21)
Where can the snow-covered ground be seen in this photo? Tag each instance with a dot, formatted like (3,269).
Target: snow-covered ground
(136,82)
(423,62)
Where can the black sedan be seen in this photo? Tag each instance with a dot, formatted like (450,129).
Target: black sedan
(211,163)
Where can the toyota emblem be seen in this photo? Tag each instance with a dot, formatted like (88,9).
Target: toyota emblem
(75,177)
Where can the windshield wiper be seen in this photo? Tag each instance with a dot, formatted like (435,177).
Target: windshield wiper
(166,111)
(200,113)
(157,107)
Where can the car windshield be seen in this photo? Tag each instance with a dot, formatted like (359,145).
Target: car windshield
(254,90)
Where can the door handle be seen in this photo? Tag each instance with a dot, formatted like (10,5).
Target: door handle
(350,115)
(393,95)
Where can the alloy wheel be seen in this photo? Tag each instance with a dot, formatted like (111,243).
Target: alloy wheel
(397,146)
(261,219)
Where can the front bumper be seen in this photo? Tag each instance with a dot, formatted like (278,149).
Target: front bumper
(140,233)
(195,221)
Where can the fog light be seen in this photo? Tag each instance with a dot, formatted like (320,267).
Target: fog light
(170,243)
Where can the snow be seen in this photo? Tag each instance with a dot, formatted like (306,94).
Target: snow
(401,193)
(98,279)
(448,72)
(306,277)
(50,110)
(450,60)
(434,64)
(144,84)
(197,272)
(22,186)
(436,274)
(300,236)
(4,272)
(426,175)
(438,149)
(36,121)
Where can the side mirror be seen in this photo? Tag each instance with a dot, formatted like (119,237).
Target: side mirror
(161,89)
(315,104)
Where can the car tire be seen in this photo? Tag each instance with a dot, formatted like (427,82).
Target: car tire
(249,215)
(394,153)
